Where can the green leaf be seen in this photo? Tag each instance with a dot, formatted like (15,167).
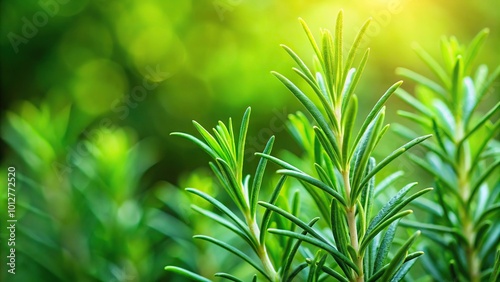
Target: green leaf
(225,140)
(482,179)
(444,207)
(339,52)
(367,193)
(454,272)
(495,274)
(482,231)
(211,141)
(486,86)
(328,64)
(488,212)
(228,276)
(321,198)
(322,95)
(395,204)
(309,105)
(367,199)
(340,231)
(440,140)
(351,83)
(318,243)
(266,218)
(485,140)
(444,118)
(287,244)
(330,148)
(420,79)
(416,104)
(198,142)
(390,205)
(387,182)
(379,227)
(334,274)
(480,123)
(315,265)
(491,242)
(354,48)
(432,64)
(233,250)
(399,258)
(470,100)
(456,85)
(293,219)
(480,76)
(313,181)
(221,207)
(361,223)
(311,39)
(225,182)
(436,173)
(187,273)
(297,270)
(376,276)
(325,95)
(393,156)
(385,246)
(259,174)
(409,134)
(278,162)
(289,256)
(406,267)
(363,151)
(234,185)
(434,228)
(299,62)
(419,119)
(324,176)
(228,225)
(474,48)
(348,120)
(242,137)
(374,112)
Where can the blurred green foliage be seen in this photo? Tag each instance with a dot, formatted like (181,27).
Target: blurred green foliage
(91,91)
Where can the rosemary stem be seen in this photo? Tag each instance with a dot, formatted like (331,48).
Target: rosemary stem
(353,229)
(261,250)
(465,216)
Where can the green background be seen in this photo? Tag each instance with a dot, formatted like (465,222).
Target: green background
(91,91)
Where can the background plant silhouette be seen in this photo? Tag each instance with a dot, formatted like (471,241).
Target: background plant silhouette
(464,159)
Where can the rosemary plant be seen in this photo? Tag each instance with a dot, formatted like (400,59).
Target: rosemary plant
(347,170)
(83,215)
(227,152)
(358,243)
(464,160)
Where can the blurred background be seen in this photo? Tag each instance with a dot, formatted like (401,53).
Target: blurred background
(91,91)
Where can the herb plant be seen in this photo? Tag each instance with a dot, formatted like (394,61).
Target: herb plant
(464,160)
(354,237)
(83,215)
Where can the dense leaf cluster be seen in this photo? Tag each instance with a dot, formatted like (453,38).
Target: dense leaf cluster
(357,244)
